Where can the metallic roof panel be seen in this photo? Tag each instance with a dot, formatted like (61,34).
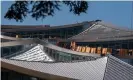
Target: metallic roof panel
(118,70)
(92,70)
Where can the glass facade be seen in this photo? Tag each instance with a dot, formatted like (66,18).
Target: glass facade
(63,56)
(36,52)
(5,51)
(51,33)
(114,45)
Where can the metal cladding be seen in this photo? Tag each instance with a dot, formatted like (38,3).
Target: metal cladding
(34,54)
(118,70)
(101,31)
(94,70)
(106,68)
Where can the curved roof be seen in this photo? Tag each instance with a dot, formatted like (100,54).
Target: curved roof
(101,31)
(34,54)
(13,28)
(95,31)
(107,68)
(7,38)
(78,70)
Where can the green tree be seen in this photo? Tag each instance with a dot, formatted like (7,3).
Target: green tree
(41,9)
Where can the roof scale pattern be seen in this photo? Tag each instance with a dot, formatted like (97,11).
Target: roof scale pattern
(118,70)
(35,54)
(106,68)
(75,70)
(101,31)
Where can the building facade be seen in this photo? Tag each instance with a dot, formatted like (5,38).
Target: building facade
(94,36)
(77,51)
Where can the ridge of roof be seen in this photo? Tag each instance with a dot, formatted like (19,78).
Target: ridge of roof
(111,25)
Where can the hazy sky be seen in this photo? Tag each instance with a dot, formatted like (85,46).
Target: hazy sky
(117,13)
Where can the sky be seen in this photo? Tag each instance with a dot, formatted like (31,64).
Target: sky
(114,12)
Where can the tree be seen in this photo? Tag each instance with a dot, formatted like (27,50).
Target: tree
(41,9)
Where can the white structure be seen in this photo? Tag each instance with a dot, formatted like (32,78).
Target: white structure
(35,54)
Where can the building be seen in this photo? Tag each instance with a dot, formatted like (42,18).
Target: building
(75,51)
(36,63)
(107,68)
(98,36)
(35,48)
